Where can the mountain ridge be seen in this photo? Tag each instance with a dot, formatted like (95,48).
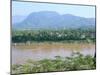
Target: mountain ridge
(53,20)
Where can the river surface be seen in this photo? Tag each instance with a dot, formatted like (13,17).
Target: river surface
(39,51)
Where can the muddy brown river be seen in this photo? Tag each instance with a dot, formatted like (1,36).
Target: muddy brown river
(39,51)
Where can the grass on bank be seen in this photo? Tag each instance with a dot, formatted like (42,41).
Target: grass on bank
(76,62)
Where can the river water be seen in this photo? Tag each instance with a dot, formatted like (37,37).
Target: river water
(38,51)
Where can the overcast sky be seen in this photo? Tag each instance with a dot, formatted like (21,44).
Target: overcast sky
(25,8)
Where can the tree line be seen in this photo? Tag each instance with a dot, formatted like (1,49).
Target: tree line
(23,36)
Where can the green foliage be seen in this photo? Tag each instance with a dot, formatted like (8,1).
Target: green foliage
(69,35)
(76,62)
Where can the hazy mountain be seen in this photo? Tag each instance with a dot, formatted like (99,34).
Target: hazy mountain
(17,19)
(51,20)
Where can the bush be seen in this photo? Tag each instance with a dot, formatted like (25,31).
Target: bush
(76,62)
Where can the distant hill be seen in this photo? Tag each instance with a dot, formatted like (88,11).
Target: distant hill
(53,20)
(17,19)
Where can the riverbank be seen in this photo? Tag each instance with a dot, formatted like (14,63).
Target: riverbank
(76,62)
(53,42)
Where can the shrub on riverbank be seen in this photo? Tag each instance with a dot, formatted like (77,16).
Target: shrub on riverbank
(76,62)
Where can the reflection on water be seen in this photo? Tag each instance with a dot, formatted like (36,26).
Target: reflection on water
(38,51)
